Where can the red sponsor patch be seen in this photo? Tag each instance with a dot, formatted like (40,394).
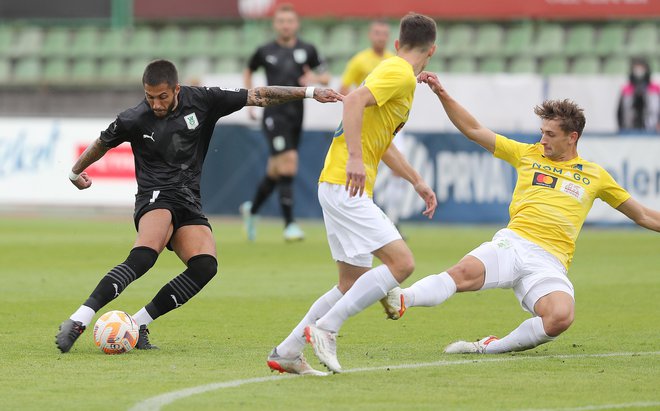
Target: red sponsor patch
(117,163)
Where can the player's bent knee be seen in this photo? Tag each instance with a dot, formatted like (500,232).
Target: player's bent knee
(558,320)
(202,268)
(403,268)
(466,278)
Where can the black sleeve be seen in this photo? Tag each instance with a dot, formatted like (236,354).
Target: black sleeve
(226,100)
(256,60)
(115,134)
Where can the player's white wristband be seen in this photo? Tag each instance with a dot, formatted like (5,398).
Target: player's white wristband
(309,92)
(73,176)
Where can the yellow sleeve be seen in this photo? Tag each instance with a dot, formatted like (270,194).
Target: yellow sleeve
(388,81)
(351,74)
(610,191)
(509,150)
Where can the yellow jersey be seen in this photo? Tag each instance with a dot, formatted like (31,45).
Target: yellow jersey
(360,65)
(551,199)
(392,84)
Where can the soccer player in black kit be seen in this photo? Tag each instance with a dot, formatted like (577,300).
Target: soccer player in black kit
(288,61)
(169,132)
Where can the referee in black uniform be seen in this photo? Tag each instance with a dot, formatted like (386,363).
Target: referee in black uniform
(288,61)
(169,132)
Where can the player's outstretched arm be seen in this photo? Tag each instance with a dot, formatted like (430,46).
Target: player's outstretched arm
(459,116)
(640,214)
(92,153)
(398,163)
(274,95)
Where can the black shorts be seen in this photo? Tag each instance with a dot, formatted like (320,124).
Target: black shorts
(184,211)
(282,133)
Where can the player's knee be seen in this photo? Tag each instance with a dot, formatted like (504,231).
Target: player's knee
(404,267)
(466,278)
(558,320)
(202,268)
(141,259)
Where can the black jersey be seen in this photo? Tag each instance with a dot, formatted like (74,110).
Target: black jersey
(284,66)
(169,152)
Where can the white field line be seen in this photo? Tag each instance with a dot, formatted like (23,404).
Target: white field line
(600,407)
(157,402)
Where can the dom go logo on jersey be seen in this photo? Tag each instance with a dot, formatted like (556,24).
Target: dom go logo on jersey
(115,332)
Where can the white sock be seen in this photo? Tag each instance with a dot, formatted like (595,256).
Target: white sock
(142,317)
(84,314)
(430,291)
(294,344)
(529,334)
(369,288)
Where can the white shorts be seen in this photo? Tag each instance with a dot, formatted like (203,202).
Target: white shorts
(513,262)
(355,225)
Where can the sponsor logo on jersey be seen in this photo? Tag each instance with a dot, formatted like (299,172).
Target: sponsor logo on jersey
(544,180)
(300,56)
(577,166)
(233,90)
(572,189)
(191,121)
(149,136)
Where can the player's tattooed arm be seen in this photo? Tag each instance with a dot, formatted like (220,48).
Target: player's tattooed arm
(274,95)
(92,153)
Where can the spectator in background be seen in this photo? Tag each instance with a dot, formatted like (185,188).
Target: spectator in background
(288,61)
(639,104)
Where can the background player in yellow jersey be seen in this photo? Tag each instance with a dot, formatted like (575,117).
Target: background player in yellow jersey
(356,228)
(555,190)
(361,64)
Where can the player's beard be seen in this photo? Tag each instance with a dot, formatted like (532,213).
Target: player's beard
(170,109)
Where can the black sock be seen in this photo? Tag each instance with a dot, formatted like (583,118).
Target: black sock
(138,262)
(286,198)
(264,190)
(201,269)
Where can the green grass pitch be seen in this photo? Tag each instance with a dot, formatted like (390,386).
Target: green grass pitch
(49,266)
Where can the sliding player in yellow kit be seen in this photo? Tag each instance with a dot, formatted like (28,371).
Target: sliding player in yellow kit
(356,228)
(554,192)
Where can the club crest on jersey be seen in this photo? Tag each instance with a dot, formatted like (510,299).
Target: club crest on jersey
(544,180)
(191,121)
(300,56)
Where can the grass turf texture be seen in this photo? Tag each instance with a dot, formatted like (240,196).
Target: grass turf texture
(49,266)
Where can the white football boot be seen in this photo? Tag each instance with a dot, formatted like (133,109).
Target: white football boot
(470,347)
(324,344)
(394,303)
(295,365)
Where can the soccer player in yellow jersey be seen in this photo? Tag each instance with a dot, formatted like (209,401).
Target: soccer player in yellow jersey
(555,190)
(360,65)
(356,228)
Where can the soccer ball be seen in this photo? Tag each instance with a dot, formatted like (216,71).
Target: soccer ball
(115,332)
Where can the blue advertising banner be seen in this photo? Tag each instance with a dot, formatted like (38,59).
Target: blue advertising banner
(471,185)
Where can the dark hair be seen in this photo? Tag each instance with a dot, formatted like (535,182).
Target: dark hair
(570,115)
(417,30)
(285,7)
(159,72)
